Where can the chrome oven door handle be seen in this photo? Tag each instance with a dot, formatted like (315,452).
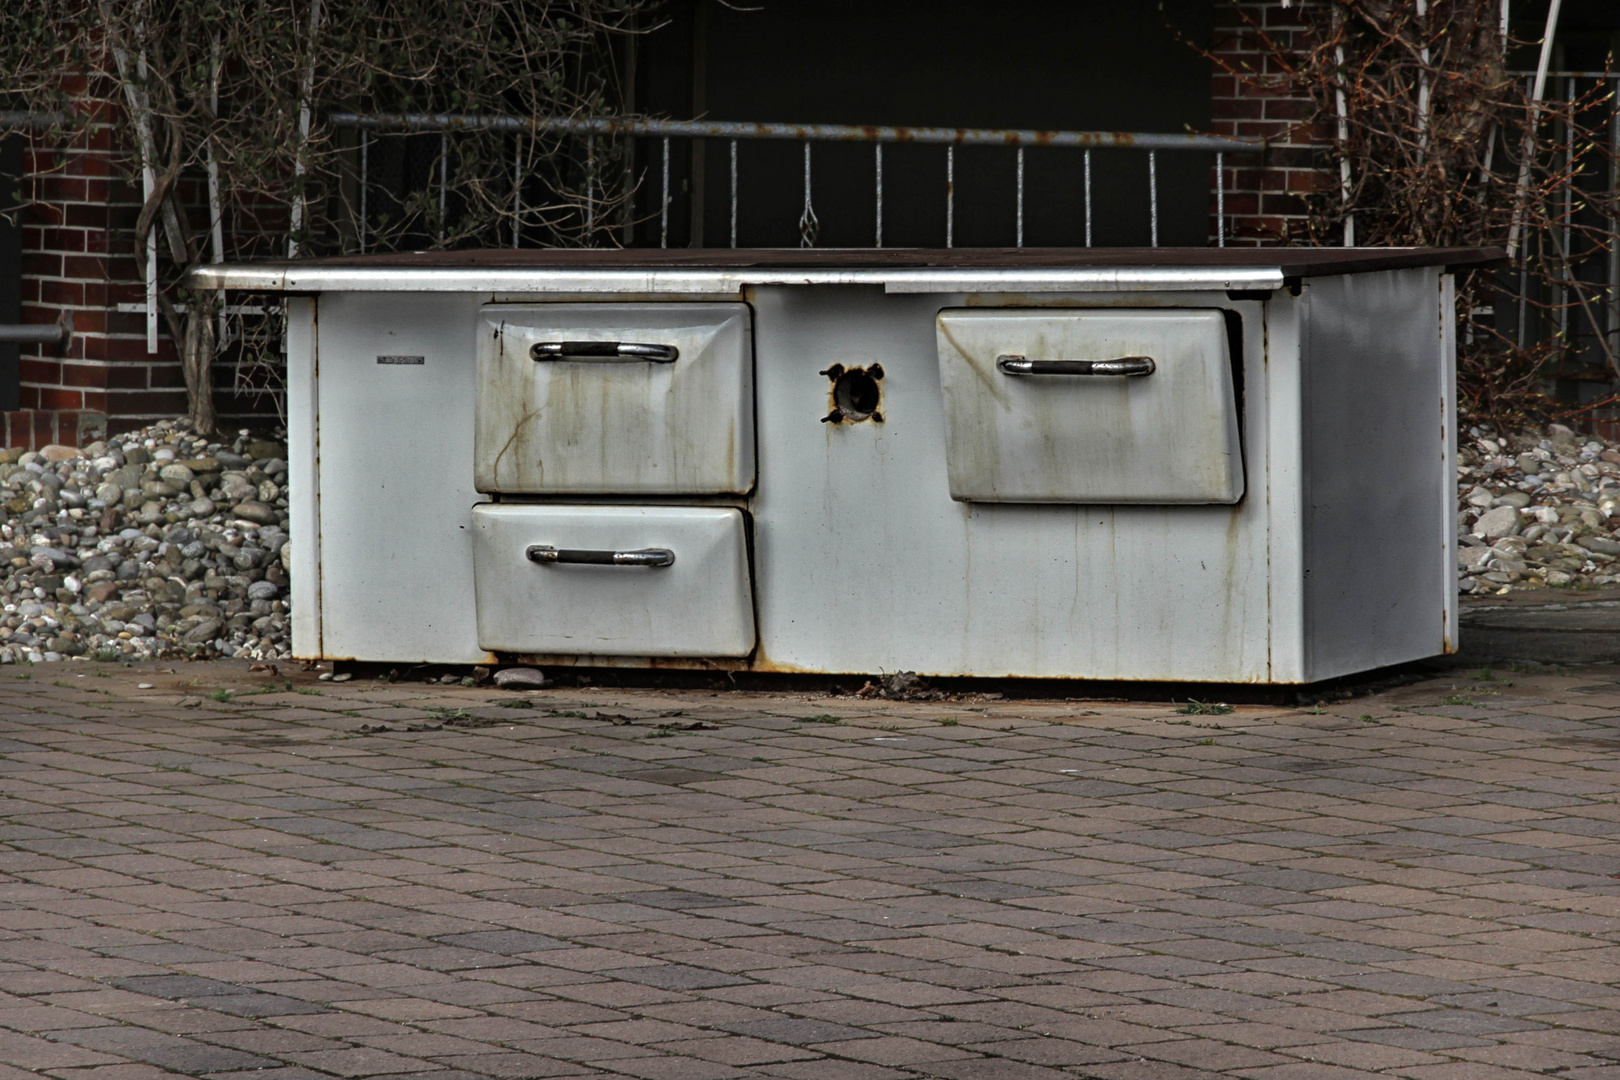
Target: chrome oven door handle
(546,555)
(1134,366)
(603,350)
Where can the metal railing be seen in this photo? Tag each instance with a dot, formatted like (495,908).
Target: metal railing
(735,132)
(55,335)
(1565,309)
(34,121)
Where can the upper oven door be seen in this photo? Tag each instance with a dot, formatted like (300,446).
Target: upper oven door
(1101,406)
(615,399)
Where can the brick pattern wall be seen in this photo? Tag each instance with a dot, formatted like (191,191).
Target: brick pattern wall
(1265,193)
(79,262)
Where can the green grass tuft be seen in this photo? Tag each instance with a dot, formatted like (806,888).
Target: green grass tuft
(1204,708)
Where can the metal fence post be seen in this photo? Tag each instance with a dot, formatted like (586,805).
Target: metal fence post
(1153,196)
(590,193)
(878,160)
(808,225)
(1088,197)
(365,183)
(1020,196)
(444,179)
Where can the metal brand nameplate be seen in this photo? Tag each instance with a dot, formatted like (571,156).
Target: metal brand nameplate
(401,359)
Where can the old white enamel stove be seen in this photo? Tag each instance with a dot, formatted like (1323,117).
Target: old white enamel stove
(1174,464)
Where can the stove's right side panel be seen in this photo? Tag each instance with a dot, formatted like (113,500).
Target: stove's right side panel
(1378,416)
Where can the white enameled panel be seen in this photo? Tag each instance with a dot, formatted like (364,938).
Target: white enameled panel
(1029,419)
(865,563)
(698,604)
(393,453)
(671,414)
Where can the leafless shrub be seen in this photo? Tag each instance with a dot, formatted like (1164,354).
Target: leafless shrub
(1430,140)
(231,100)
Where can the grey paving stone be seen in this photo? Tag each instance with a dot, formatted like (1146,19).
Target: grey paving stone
(505,942)
(1413,1038)
(676,977)
(1508,1004)
(799,1032)
(1432,886)
(198,1059)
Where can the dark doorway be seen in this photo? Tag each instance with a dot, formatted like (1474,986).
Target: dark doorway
(1078,65)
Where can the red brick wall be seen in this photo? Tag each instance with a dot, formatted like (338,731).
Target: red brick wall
(78,262)
(1252,100)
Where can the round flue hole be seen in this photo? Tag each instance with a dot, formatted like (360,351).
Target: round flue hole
(855,392)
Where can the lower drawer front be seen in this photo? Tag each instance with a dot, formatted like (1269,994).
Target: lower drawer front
(612,580)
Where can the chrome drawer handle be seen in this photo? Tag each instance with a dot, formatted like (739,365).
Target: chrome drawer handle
(603,350)
(1125,365)
(547,555)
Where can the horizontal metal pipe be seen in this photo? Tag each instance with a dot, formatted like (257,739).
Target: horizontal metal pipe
(732,129)
(1570,74)
(12,118)
(35,334)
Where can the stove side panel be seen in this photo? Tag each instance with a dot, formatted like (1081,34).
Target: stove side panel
(303,467)
(1379,470)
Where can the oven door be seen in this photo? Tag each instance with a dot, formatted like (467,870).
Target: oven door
(612,580)
(615,399)
(1095,406)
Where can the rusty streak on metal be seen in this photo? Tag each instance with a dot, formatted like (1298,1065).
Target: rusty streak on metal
(727,129)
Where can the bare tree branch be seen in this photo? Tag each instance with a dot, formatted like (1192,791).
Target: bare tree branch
(154,70)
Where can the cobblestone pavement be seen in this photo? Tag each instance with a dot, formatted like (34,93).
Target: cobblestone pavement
(364,880)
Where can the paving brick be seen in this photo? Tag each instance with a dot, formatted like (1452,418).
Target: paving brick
(1028,893)
(39,1055)
(359,1061)
(830,1069)
(505,1064)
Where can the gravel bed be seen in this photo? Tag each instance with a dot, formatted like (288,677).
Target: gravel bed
(149,545)
(1537,510)
(161,544)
